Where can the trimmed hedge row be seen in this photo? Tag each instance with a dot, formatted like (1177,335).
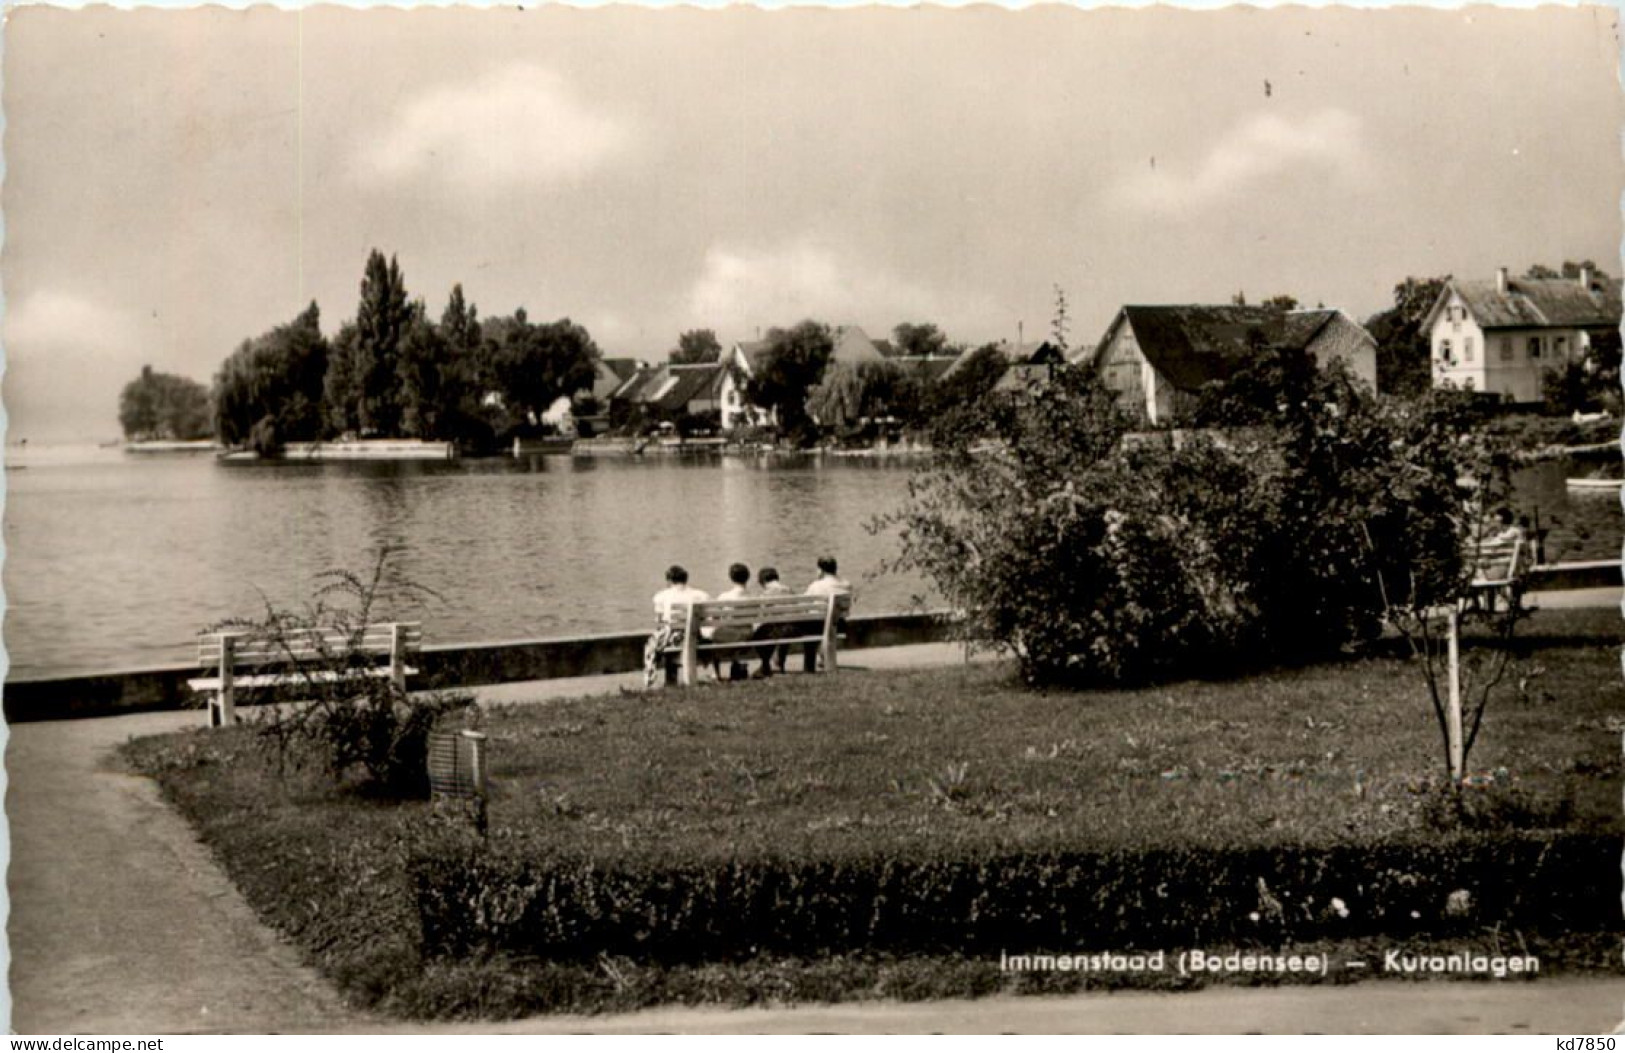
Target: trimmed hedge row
(571,909)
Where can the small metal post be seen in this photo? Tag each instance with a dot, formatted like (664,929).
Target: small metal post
(397,657)
(225,713)
(477,776)
(1453,714)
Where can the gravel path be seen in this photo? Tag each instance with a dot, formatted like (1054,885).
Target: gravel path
(120,921)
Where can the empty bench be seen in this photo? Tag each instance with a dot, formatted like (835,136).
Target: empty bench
(715,628)
(248,660)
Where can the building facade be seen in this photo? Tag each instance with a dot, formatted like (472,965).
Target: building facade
(1158,358)
(1503,336)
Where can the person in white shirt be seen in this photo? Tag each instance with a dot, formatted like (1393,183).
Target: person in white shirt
(667,634)
(828,583)
(677,592)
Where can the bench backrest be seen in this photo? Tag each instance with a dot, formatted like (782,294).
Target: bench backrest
(1496,562)
(301,646)
(757,610)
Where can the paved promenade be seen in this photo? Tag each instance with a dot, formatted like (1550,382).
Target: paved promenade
(121,922)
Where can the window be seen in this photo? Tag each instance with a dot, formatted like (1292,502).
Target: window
(1561,349)
(1444,352)
(1534,347)
(1506,349)
(1467,349)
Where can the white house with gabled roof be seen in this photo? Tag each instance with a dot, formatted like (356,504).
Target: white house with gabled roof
(1502,336)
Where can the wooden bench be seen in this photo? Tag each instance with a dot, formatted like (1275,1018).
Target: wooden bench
(1497,566)
(300,658)
(798,620)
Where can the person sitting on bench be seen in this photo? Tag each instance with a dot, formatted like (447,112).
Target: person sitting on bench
(739,575)
(768,578)
(676,593)
(828,583)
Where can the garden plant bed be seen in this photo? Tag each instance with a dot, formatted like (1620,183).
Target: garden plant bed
(890,835)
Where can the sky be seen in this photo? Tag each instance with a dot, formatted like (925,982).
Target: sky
(180,180)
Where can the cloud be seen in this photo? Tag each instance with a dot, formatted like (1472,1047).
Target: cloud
(518,125)
(1327,143)
(54,321)
(67,357)
(742,288)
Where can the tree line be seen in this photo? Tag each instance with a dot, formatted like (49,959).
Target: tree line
(394,372)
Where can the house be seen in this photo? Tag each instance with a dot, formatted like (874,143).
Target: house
(743,361)
(610,374)
(1502,336)
(1032,364)
(853,347)
(667,392)
(1158,358)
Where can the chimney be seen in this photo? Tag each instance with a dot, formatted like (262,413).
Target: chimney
(1501,280)
(1020,337)
(1585,277)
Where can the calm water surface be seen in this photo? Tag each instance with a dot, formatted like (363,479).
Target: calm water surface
(115,561)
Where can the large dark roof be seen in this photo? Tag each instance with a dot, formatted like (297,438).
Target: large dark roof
(1191,344)
(1559,303)
(682,385)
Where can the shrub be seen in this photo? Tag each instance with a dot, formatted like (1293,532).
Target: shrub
(1096,556)
(566,908)
(350,723)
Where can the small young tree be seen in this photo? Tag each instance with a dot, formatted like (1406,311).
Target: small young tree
(1432,588)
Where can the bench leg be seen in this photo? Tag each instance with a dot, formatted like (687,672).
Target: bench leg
(222,709)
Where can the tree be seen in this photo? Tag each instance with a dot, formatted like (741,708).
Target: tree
(793,363)
(466,375)
(919,340)
(1404,351)
(341,389)
(836,401)
(857,399)
(1587,384)
(1569,270)
(1278,302)
(364,393)
(269,391)
(423,361)
(164,406)
(956,404)
(536,365)
(695,347)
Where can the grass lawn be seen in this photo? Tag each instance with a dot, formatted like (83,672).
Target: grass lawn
(949,764)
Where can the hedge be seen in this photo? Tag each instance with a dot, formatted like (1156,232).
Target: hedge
(575,908)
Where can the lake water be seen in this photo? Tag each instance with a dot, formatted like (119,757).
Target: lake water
(115,561)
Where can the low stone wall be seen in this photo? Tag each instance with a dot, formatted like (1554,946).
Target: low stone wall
(472,665)
(446,665)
